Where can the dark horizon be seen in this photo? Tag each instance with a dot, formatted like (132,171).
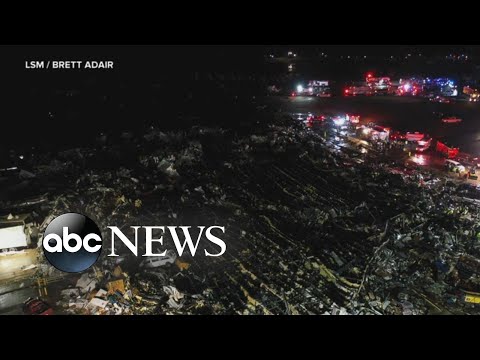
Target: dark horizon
(156,83)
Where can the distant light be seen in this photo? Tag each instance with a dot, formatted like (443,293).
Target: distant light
(299,88)
(295,55)
(407,87)
(339,121)
(365,56)
(310,89)
(21,157)
(366,131)
(419,159)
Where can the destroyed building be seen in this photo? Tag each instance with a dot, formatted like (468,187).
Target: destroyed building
(308,230)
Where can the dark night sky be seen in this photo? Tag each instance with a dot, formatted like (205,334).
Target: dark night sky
(29,95)
(157,61)
(381,50)
(148,61)
(199,53)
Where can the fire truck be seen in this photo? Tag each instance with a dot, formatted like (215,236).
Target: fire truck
(417,141)
(314,88)
(411,87)
(379,85)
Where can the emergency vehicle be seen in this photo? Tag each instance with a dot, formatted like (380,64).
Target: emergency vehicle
(320,88)
(417,141)
(379,85)
(358,89)
(451,120)
(354,119)
(374,132)
(473,94)
(414,136)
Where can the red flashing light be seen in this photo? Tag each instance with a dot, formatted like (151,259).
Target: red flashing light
(346,91)
(369,75)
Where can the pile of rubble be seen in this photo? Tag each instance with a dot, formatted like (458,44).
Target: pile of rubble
(308,231)
(111,292)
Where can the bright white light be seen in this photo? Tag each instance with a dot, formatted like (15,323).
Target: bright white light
(299,88)
(310,89)
(339,121)
(13,237)
(407,87)
(366,131)
(419,159)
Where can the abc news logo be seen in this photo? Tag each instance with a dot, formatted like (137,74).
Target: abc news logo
(72,242)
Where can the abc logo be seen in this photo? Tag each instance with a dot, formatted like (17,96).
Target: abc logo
(72,242)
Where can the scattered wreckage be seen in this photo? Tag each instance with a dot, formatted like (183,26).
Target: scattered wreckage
(307,232)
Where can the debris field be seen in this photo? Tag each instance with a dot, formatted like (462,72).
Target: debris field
(308,230)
